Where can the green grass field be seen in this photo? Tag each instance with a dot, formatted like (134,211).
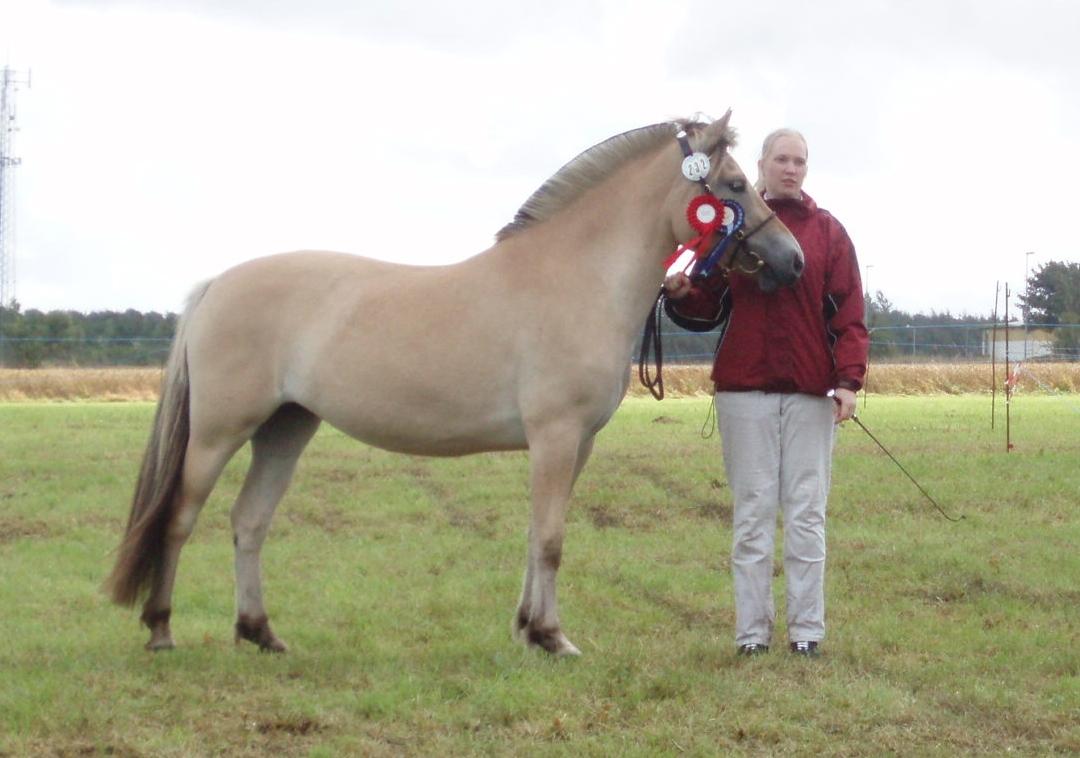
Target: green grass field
(394,578)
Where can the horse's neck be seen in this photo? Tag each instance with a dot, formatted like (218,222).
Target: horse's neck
(606,249)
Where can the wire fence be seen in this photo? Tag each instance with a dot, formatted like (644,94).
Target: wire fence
(918,343)
(941,343)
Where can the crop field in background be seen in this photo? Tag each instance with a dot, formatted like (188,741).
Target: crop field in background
(394,578)
(120,383)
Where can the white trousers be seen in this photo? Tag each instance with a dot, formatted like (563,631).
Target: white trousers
(778,458)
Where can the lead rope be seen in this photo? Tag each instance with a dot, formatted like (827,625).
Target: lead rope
(708,427)
(655,385)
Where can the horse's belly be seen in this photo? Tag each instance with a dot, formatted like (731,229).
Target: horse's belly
(419,430)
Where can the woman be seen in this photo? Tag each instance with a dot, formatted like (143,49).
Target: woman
(787,367)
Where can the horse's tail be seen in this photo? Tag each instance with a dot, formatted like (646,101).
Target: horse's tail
(140,557)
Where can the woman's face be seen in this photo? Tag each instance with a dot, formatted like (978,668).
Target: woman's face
(784,168)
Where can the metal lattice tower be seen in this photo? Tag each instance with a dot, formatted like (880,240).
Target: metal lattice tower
(9,81)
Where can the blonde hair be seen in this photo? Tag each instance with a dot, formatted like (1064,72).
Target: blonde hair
(767,145)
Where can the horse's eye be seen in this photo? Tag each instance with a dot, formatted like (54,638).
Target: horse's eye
(738,186)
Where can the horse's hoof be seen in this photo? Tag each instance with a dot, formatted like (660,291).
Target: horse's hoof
(273,645)
(561,646)
(258,631)
(566,647)
(160,633)
(553,642)
(157,643)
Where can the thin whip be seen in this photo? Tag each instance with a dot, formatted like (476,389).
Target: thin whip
(909,476)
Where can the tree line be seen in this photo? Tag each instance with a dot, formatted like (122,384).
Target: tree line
(69,338)
(130,338)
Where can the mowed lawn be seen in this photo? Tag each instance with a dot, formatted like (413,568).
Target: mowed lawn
(394,578)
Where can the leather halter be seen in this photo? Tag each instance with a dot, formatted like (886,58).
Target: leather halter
(722,254)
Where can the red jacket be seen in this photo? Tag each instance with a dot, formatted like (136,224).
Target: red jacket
(807,338)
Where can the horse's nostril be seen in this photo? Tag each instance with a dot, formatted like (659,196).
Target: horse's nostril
(797,265)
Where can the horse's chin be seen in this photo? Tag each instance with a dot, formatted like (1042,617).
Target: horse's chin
(767,281)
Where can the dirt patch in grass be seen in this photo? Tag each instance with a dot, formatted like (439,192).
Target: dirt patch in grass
(634,517)
(299,726)
(970,588)
(76,749)
(16,528)
(483,522)
(337,475)
(689,615)
(603,516)
(720,507)
(421,475)
(711,504)
(326,518)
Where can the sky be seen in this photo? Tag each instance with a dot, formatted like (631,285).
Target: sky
(165,141)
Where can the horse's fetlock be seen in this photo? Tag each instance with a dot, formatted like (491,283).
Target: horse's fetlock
(155,618)
(251,627)
(548,639)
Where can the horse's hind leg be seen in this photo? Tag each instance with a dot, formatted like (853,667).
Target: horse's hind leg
(557,455)
(202,466)
(275,449)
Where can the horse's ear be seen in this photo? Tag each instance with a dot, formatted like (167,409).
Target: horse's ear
(717,134)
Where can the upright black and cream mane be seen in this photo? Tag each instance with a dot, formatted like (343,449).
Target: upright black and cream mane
(596,164)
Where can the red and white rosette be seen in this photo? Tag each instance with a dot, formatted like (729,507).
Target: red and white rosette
(705,214)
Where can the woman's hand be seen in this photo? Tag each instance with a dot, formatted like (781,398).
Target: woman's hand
(845,404)
(677,286)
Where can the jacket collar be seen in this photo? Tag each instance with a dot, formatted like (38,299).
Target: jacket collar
(803,207)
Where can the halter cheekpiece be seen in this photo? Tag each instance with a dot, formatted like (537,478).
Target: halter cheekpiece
(717,221)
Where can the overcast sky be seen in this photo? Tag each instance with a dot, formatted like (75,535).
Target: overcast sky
(164,141)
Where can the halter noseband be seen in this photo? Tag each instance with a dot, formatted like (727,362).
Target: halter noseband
(721,253)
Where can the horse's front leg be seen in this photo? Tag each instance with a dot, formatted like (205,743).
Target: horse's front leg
(557,454)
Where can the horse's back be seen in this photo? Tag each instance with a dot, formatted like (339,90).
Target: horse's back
(404,357)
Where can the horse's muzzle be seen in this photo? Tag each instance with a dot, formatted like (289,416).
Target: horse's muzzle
(782,269)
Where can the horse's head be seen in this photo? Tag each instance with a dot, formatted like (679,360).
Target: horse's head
(763,247)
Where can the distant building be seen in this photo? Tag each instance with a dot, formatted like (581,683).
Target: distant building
(1024,344)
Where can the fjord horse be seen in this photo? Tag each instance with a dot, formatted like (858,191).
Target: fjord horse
(524,346)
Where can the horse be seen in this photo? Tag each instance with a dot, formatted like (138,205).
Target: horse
(524,346)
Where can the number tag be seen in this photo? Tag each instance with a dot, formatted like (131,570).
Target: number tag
(696,167)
